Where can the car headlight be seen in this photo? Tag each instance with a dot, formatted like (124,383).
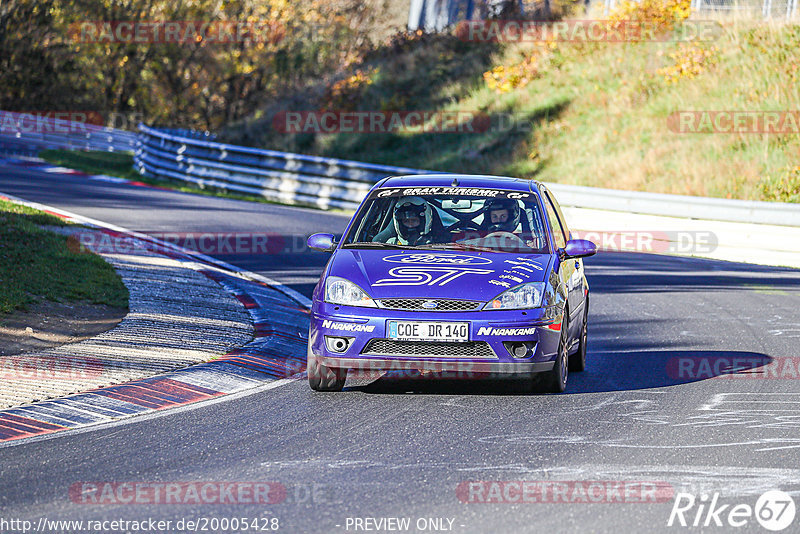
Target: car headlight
(341,291)
(523,296)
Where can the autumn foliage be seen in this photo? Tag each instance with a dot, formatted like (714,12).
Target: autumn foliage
(200,82)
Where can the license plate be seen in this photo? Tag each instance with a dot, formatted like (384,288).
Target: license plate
(426,331)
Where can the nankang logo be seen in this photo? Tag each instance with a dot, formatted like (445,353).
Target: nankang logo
(347,327)
(489,331)
(437,259)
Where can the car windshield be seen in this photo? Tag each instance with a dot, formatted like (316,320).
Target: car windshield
(449,218)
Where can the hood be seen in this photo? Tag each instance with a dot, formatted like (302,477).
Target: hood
(437,274)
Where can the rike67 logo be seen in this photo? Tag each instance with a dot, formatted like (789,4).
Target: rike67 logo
(774,510)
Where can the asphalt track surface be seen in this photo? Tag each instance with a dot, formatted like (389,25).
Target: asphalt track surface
(401,448)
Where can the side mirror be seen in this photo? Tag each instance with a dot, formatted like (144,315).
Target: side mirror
(321,242)
(579,248)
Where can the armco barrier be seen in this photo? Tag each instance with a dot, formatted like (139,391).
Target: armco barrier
(279,176)
(26,133)
(687,207)
(335,183)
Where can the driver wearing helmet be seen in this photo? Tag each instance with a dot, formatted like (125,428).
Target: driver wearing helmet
(413,218)
(501,215)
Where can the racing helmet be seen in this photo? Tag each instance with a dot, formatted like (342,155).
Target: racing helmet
(510,224)
(416,207)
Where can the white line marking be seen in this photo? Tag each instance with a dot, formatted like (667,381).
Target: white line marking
(106,178)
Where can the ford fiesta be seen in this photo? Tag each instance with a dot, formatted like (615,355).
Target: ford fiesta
(452,273)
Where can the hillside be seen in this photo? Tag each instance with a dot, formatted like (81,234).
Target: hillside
(589,113)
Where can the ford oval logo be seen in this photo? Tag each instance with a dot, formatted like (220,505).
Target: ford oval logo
(429,304)
(437,259)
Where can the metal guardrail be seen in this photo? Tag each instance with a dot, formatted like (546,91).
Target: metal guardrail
(683,206)
(279,176)
(334,183)
(766,9)
(26,133)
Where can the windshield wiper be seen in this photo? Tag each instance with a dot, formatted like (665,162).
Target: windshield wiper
(373,244)
(457,246)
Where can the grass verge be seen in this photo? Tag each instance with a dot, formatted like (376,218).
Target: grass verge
(37,264)
(94,162)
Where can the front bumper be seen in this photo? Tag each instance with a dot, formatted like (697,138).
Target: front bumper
(540,328)
(438,366)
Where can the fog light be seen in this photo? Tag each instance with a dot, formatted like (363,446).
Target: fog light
(520,349)
(337,344)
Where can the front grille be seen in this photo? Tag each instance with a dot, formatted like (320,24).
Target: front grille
(429,349)
(442,305)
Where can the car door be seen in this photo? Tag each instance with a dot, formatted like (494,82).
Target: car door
(571,270)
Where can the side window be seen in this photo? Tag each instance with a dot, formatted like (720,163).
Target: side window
(564,224)
(558,231)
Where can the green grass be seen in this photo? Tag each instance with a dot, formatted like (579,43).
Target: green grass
(38,264)
(596,114)
(94,162)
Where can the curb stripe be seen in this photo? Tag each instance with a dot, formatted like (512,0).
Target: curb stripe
(7,434)
(127,398)
(139,394)
(27,421)
(16,427)
(247,301)
(42,413)
(173,389)
(114,407)
(26,424)
(190,387)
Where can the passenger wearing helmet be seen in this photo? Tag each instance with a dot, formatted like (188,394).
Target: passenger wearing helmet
(413,218)
(501,215)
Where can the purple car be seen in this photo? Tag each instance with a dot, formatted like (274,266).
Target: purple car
(453,274)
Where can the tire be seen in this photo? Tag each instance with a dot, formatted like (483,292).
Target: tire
(555,380)
(321,377)
(577,361)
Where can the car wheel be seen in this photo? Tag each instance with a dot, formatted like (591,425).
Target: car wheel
(577,361)
(555,380)
(321,377)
